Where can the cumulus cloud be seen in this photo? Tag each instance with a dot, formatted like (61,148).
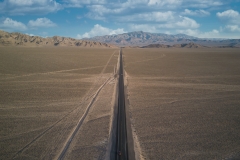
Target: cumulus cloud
(80,3)
(103,9)
(176,23)
(9,24)
(129,9)
(98,30)
(157,19)
(94,2)
(113,4)
(232,20)
(186,22)
(228,14)
(149,17)
(144,27)
(103,12)
(233,28)
(200,12)
(22,7)
(168,3)
(196,33)
(157,13)
(41,22)
(109,10)
(202,3)
(27,2)
(12,25)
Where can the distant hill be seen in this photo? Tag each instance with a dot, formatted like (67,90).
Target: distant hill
(144,38)
(185,45)
(139,38)
(18,39)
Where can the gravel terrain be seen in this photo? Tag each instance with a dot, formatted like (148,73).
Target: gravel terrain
(184,103)
(43,94)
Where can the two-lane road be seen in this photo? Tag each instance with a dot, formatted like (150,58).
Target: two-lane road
(122,147)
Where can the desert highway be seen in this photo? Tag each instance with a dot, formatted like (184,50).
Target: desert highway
(122,144)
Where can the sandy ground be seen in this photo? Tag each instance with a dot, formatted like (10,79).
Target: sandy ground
(185,103)
(44,92)
(92,140)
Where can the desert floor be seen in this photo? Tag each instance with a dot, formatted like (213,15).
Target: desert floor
(184,103)
(43,94)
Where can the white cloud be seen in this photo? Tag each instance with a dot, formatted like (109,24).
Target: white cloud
(143,27)
(98,30)
(9,25)
(164,2)
(195,13)
(95,16)
(102,9)
(81,3)
(22,7)
(149,17)
(103,12)
(27,2)
(196,33)
(29,34)
(233,28)
(228,14)
(174,23)
(41,22)
(117,10)
(202,3)
(231,19)
(177,23)
(187,23)
(93,2)
(110,10)
(131,4)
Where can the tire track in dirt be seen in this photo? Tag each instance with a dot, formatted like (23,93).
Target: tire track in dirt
(42,133)
(60,71)
(80,122)
(91,90)
(53,72)
(93,96)
(104,69)
(84,99)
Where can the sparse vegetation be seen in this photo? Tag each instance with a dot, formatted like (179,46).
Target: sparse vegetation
(44,92)
(185,103)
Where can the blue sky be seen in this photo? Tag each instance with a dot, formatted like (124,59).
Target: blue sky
(88,18)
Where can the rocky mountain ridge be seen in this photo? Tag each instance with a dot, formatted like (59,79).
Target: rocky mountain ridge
(140,38)
(19,39)
(185,45)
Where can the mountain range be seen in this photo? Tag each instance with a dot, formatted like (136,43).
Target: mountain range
(19,39)
(132,39)
(184,45)
(140,38)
